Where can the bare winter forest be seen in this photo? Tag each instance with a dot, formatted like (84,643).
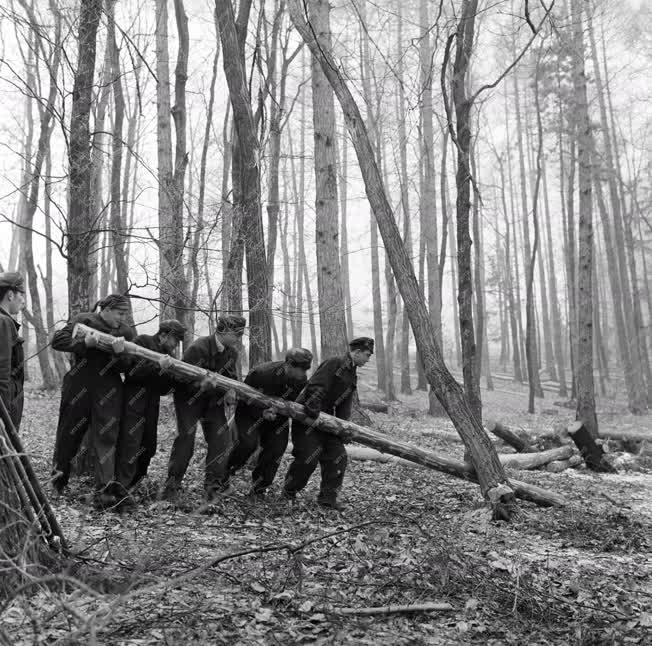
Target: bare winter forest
(462,187)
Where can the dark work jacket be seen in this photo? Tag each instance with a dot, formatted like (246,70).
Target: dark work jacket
(12,371)
(143,372)
(203,352)
(270,379)
(91,363)
(331,387)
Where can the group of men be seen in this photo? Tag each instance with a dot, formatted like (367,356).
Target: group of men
(115,399)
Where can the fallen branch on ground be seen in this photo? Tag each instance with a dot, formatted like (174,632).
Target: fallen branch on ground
(390,610)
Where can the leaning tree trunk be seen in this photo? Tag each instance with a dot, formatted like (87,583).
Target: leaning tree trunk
(80,201)
(260,340)
(491,475)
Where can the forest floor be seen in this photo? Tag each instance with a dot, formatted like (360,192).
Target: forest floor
(270,573)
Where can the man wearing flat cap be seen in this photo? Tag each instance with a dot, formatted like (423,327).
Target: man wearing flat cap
(284,379)
(330,390)
(12,356)
(200,400)
(91,395)
(144,384)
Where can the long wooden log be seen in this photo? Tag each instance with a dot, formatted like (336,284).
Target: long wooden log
(536,460)
(327,423)
(519,441)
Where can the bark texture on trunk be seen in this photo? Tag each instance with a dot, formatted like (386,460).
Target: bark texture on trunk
(79,161)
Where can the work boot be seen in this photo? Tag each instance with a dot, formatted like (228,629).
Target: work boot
(105,500)
(256,494)
(331,503)
(58,480)
(215,494)
(170,493)
(289,496)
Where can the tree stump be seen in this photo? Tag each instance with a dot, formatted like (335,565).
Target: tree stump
(591,452)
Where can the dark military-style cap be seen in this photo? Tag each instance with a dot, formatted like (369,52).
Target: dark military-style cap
(231,323)
(300,357)
(173,327)
(12,280)
(362,343)
(113,302)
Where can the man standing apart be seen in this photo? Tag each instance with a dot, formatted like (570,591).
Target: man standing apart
(199,401)
(12,356)
(284,379)
(329,390)
(144,384)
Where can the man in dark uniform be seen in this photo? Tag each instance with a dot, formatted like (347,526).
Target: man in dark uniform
(91,395)
(330,389)
(144,384)
(199,401)
(284,379)
(12,356)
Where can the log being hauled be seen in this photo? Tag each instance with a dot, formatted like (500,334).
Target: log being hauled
(327,423)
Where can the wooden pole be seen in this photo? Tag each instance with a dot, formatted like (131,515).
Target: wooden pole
(31,484)
(327,423)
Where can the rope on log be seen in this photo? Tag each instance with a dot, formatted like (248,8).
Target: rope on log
(344,429)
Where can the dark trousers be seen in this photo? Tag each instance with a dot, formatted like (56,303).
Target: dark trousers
(138,434)
(89,403)
(219,440)
(272,438)
(312,447)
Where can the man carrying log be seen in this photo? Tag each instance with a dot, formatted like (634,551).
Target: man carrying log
(12,356)
(200,401)
(330,390)
(91,396)
(284,379)
(144,384)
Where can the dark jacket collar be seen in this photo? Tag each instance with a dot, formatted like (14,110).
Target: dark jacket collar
(4,312)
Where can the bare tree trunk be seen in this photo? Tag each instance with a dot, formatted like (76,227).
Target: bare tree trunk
(249,179)
(79,212)
(27,252)
(57,357)
(585,388)
(428,197)
(554,295)
(529,256)
(462,105)
(533,373)
(98,153)
(374,129)
(491,475)
(477,276)
(119,231)
(571,260)
(332,321)
(344,238)
(226,205)
(194,274)
(406,387)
